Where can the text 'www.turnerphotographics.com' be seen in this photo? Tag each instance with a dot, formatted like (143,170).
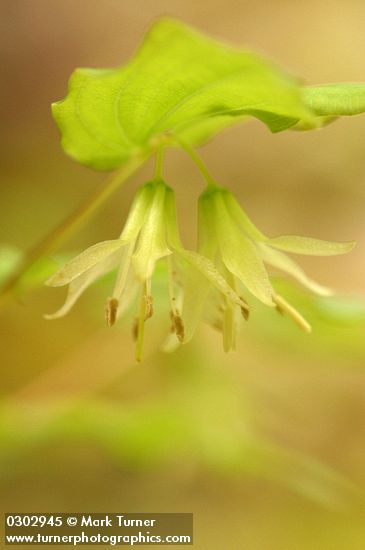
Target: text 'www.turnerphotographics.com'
(89,529)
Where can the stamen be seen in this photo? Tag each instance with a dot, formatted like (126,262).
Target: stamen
(284,307)
(232,280)
(149,307)
(229,329)
(145,312)
(111,311)
(177,322)
(177,326)
(113,302)
(245,310)
(170,277)
(135,329)
(217,325)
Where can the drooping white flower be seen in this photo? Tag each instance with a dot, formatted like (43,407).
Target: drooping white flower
(150,234)
(240,251)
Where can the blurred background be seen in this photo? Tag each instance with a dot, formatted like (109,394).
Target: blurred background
(266,445)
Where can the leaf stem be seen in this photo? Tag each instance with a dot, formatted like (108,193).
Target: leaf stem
(54,239)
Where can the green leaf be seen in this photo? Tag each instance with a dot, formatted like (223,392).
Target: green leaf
(336,99)
(179,82)
(185,85)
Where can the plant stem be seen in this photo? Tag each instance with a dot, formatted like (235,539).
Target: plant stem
(160,155)
(199,163)
(54,239)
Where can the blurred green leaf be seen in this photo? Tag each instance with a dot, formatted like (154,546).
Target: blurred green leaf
(346,310)
(338,309)
(157,434)
(338,324)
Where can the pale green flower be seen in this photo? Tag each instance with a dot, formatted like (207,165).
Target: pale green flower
(240,251)
(150,234)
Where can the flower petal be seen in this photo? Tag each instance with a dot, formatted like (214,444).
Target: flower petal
(137,212)
(241,256)
(152,243)
(81,283)
(310,246)
(75,289)
(83,262)
(129,294)
(206,295)
(195,295)
(281,261)
(241,218)
(171,343)
(208,270)
(207,235)
(172,230)
(125,289)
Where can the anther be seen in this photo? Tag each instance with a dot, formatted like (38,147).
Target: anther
(149,307)
(245,310)
(178,326)
(135,329)
(111,311)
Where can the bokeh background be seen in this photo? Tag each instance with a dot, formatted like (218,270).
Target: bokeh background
(266,445)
